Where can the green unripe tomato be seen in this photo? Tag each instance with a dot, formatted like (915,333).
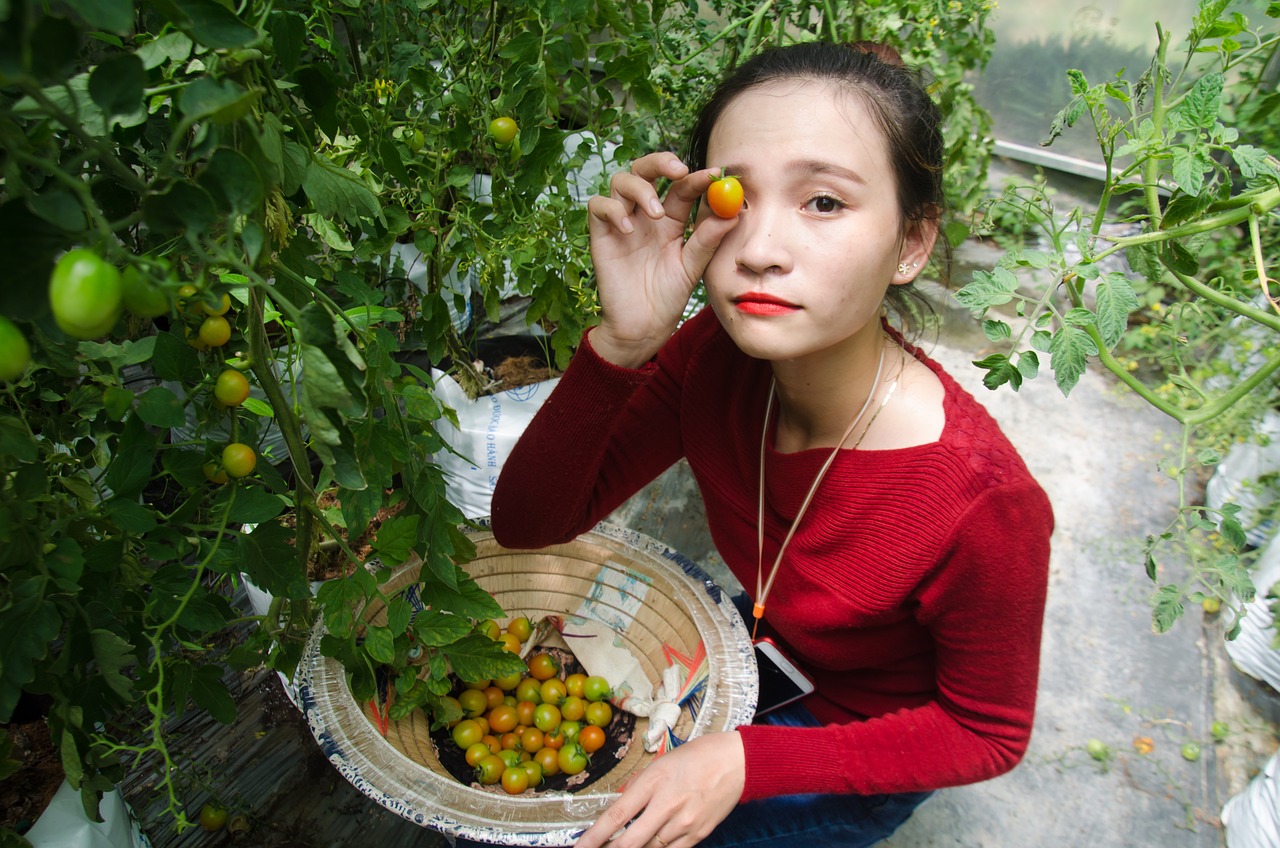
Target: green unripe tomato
(142,297)
(503,130)
(15,353)
(415,140)
(85,294)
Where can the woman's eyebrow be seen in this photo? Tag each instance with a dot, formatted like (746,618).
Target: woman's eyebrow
(804,167)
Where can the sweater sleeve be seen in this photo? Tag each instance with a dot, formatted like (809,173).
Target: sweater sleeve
(984,607)
(602,434)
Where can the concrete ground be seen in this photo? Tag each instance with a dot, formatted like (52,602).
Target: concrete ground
(1104,674)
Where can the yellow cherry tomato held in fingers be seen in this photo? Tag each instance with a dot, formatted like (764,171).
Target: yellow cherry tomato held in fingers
(215,331)
(231,388)
(238,459)
(503,130)
(15,353)
(725,197)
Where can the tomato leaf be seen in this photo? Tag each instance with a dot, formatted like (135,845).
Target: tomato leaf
(113,655)
(1114,301)
(29,624)
(1069,351)
(208,690)
(160,407)
(477,657)
(436,629)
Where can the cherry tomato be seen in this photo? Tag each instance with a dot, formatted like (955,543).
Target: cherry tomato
(573,708)
(571,729)
(546,717)
(525,711)
(490,628)
(231,388)
(534,769)
(492,742)
(520,628)
(493,695)
(543,667)
(572,759)
(503,130)
(214,331)
(549,759)
(215,473)
(510,643)
(85,294)
(515,780)
(473,702)
(553,691)
(141,296)
(554,739)
(529,690)
(15,353)
(1190,751)
(224,304)
(238,459)
(591,739)
(489,770)
(595,688)
(509,741)
(510,757)
(213,817)
(532,740)
(599,713)
(725,197)
(477,684)
(508,683)
(573,683)
(467,733)
(503,719)
(477,752)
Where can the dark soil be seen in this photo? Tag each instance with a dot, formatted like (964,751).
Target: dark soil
(25,794)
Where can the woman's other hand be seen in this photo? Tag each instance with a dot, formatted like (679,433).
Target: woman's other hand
(678,799)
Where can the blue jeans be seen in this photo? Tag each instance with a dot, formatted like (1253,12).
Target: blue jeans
(812,821)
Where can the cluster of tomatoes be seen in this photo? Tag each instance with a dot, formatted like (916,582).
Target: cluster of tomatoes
(520,729)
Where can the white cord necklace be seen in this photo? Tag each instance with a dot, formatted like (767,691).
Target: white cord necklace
(763,586)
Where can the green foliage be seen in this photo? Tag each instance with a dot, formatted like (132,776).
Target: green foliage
(1190,320)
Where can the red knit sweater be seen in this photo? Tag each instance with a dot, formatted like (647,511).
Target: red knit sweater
(912,592)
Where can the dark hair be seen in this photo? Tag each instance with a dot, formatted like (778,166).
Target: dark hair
(895,97)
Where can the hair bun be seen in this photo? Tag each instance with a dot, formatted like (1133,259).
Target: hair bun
(883,52)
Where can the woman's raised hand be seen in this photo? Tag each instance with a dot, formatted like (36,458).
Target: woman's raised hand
(645,270)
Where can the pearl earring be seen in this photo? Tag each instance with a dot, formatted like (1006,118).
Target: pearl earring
(904,269)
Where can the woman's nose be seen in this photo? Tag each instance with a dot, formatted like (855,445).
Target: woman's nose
(761,241)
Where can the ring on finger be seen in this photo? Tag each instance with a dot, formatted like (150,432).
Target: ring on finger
(658,839)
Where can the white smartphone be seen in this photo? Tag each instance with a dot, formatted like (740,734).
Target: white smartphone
(780,681)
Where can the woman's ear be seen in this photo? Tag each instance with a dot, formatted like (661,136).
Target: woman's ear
(915,250)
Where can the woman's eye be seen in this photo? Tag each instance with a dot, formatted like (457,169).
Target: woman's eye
(825,204)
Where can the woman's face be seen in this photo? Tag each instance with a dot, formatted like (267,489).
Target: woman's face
(806,268)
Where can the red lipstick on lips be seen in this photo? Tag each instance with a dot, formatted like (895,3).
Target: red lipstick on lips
(758,303)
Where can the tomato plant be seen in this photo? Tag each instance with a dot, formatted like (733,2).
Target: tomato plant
(725,196)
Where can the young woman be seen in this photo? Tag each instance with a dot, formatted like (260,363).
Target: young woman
(890,537)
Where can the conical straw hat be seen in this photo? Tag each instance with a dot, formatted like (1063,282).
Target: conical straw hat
(655,599)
